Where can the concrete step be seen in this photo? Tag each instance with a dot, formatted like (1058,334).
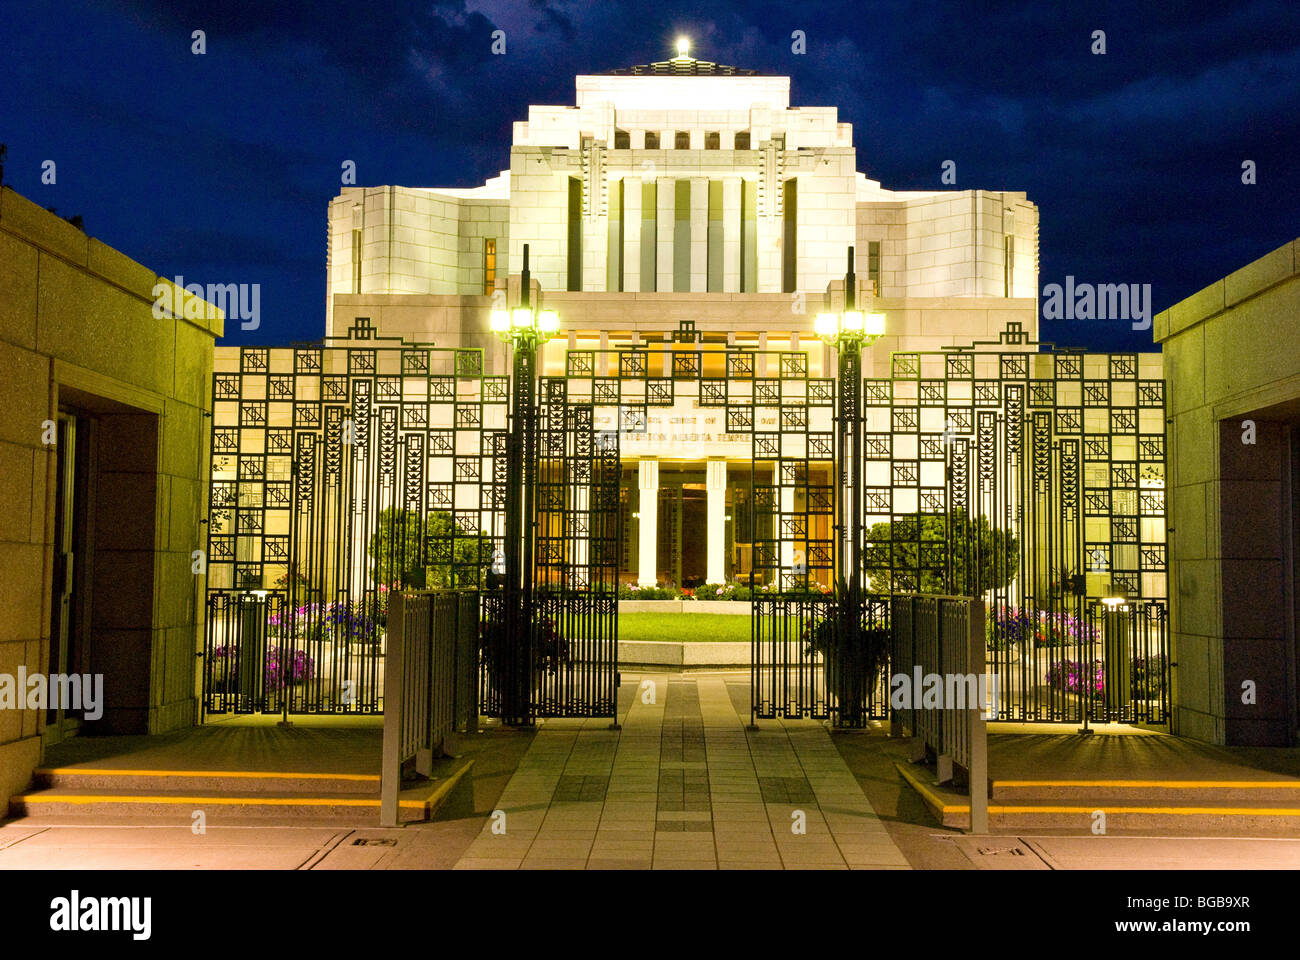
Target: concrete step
(1246,793)
(106,779)
(1153,807)
(141,799)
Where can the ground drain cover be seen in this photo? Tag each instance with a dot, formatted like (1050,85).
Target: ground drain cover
(373,842)
(990,854)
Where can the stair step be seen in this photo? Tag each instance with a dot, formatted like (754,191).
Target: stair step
(1247,793)
(176,802)
(1128,806)
(107,779)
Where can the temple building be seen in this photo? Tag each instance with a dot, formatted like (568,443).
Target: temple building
(683,192)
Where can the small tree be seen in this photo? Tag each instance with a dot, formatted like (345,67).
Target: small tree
(429,555)
(914,554)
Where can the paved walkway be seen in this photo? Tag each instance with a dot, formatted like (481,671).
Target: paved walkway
(683,785)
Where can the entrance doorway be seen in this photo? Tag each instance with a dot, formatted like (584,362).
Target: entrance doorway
(1259,526)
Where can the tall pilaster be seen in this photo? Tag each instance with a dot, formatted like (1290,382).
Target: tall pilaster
(648,528)
(716,484)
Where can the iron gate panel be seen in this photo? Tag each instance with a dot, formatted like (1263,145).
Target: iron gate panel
(1035,478)
(577,524)
(341,470)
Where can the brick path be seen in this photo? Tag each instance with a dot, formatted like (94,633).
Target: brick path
(683,785)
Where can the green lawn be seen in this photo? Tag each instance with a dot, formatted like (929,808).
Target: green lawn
(677,627)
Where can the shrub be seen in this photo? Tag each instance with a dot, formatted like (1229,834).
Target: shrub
(892,554)
(1148,677)
(303,667)
(1072,676)
(631,591)
(550,649)
(429,555)
(723,591)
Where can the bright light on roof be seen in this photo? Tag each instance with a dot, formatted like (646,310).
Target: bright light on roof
(683,46)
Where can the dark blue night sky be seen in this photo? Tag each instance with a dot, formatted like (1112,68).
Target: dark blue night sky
(219,167)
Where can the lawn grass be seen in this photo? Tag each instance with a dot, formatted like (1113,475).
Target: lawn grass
(677,627)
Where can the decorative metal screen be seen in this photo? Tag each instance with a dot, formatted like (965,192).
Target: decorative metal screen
(341,470)
(577,553)
(1034,478)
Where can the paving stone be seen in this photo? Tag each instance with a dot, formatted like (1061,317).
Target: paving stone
(684,785)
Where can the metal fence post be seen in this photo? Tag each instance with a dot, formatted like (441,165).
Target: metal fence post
(390,779)
(978,770)
(427,605)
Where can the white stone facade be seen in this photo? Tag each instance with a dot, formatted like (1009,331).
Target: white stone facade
(661,198)
(931,244)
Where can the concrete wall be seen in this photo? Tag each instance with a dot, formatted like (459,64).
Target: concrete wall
(1230,355)
(77,328)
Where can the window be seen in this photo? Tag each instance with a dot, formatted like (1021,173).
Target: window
(789,237)
(742,140)
(1009,263)
(575,234)
(873,266)
(489,264)
(651,140)
(682,141)
(712,140)
(748,237)
(356,261)
(622,140)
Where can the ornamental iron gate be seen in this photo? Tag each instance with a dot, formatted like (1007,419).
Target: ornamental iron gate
(1036,479)
(340,471)
(571,659)
(1033,479)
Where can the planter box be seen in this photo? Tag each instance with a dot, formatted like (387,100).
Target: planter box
(690,654)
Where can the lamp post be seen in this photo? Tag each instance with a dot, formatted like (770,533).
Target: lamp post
(525,328)
(848,332)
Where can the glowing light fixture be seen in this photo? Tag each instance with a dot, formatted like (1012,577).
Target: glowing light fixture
(683,47)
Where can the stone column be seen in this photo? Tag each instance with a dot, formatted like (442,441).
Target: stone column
(731,227)
(717,525)
(632,234)
(665,226)
(699,234)
(648,482)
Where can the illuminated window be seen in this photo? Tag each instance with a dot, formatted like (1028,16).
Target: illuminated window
(489,264)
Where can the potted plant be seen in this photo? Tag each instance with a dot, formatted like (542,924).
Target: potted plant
(550,653)
(851,667)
